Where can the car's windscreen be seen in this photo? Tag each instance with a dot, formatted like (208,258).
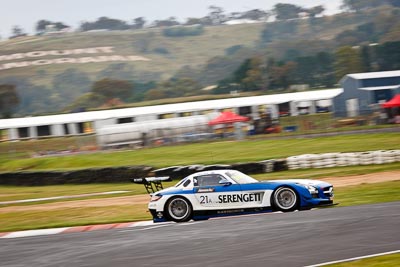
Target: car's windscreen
(240,178)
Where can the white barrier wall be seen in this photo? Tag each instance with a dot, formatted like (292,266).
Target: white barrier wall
(328,160)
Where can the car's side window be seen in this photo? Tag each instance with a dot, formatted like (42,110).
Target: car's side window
(186,183)
(207,180)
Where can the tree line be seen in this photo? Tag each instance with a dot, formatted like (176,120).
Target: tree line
(216,16)
(323,69)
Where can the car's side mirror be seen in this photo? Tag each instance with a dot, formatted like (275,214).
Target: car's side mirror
(224,182)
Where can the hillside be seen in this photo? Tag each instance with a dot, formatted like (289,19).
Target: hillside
(166,54)
(51,72)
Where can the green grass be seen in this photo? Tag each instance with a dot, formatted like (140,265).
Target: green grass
(368,193)
(208,153)
(20,220)
(380,261)
(9,193)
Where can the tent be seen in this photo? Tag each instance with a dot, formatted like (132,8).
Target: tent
(227,117)
(394,102)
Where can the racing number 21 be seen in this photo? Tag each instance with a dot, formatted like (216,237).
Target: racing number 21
(204,200)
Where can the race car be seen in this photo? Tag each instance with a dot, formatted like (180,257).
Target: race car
(206,194)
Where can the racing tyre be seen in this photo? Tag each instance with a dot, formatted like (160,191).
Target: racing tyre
(285,199)
(179,209)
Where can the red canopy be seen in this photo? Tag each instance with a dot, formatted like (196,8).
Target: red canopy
(394,102)
(227,117)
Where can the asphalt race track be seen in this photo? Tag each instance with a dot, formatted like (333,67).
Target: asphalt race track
(283,239)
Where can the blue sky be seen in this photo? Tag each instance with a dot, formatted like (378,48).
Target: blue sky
(25,13)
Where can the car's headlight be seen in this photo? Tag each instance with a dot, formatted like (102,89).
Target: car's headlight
(312,189)
(155,198)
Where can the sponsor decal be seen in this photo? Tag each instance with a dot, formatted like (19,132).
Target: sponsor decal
(235,198)
(205,190)
(229,211)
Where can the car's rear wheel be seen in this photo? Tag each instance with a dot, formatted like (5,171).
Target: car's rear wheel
(179,209)
(285,199)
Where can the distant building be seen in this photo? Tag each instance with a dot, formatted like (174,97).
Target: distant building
(290,104)
(363,92)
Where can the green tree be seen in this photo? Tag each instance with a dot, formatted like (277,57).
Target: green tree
(113,88)
(241,72)
(255,14)
(314,70)
(41,25)
(138,23)
(193,21)
(117,71)
(251,75)
(32,99)
(281,76)
(216,15)
(174,88)
(9,100)
(59,26)
(104,23)
(286,11)
(348,60)
(359,5)
(388,56)
(217,68)
(366,58)
(69,85)
(17,31)
(314,11)
(171,21)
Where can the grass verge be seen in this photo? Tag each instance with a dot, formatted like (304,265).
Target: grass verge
(23,220)
(381,261)
(217,152)
(9,193)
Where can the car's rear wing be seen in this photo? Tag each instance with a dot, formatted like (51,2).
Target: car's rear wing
(152,184)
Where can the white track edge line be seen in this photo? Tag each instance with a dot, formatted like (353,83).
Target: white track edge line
(38,232)
(355,258)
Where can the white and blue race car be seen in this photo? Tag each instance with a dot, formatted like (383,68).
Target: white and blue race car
(207,194)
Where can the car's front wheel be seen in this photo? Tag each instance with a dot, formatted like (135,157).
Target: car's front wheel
(285,199)
(179,209)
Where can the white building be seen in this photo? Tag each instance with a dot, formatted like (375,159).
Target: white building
(90,122)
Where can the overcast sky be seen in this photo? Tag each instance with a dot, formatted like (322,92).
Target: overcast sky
(25,13)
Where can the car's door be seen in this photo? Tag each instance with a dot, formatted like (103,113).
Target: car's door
(257,195)
(217,191)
